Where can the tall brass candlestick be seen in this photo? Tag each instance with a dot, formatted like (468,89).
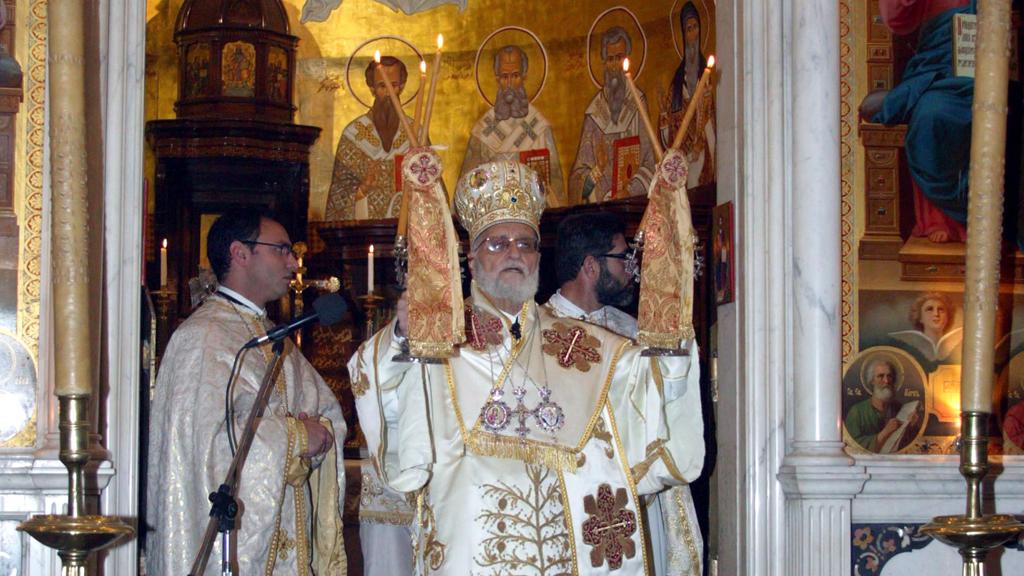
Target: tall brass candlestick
(76,534)
(691,110)
(395,101)
(974,533)
(435,72)
(642,108)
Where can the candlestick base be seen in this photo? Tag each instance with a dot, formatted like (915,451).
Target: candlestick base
(75,538)
(75,535)
(973,537)
(973,533)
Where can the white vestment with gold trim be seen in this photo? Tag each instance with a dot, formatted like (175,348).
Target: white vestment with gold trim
(676,541)
(501,502)
(280,495)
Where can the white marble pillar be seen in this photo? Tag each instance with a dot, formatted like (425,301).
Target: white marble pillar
(123,23)
(817,356)
(819,479)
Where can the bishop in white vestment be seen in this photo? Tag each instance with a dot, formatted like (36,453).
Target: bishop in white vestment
(529,451)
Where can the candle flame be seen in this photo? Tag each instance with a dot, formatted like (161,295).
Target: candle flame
(423,66)
(165,242)
(440,41)
(625,64)
(376,56)
(371,248)
(711,61)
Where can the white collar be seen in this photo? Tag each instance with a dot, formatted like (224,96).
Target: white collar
(568,307)
(259,311)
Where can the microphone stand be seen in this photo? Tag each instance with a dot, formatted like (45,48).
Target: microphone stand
(224,507)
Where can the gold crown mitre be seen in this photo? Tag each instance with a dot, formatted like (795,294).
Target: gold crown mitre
(498,192)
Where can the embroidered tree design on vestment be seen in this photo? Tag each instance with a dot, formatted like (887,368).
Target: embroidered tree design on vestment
(525,527)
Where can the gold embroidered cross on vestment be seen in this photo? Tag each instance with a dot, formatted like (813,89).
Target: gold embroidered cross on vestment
(572,346)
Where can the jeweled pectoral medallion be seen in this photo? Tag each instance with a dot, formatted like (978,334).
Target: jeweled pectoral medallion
(549,415)
(495,414)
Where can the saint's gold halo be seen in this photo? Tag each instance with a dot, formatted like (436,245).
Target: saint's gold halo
(639,44)
(707,22)
(411,67)
(490,62)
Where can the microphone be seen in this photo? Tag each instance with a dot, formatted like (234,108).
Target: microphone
(327,309)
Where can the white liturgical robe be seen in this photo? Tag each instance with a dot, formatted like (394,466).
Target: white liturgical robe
(676,541)
(529,455)
(189,454)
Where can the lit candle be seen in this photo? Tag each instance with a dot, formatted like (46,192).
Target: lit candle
(434,73)
(163,265)
(702,85)
(369,270)
(642,107)
(418,118)
(395,101)
(985,205)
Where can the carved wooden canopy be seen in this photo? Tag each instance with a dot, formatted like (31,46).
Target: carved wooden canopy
(236,60)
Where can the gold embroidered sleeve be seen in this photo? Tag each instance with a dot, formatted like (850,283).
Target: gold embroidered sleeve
(297,468)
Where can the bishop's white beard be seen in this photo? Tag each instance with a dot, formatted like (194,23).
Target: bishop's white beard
(520,291)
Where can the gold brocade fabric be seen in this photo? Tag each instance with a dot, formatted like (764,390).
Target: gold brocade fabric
(189,453)
(436,320)
(665,315)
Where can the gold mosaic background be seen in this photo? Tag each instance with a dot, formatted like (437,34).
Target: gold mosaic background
(323,96)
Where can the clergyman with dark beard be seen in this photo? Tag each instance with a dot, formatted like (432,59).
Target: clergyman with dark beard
(594,276)
(514,130)
(614,158)
(596,279)
(363,180)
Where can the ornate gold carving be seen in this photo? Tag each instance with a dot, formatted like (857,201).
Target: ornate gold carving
(31,246)
(524,527)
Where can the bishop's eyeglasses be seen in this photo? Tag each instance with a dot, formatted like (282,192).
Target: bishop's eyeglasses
(501,244)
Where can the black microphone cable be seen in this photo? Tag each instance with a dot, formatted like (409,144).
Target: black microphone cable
(229,402)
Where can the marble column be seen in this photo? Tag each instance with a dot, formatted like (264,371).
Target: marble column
(123,72)
(819,479)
